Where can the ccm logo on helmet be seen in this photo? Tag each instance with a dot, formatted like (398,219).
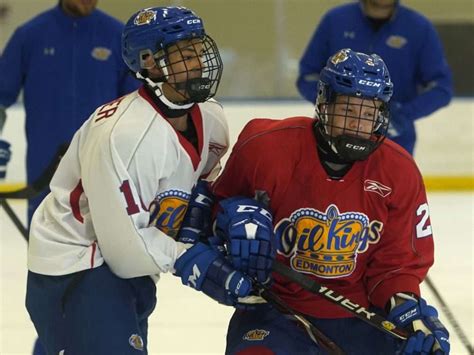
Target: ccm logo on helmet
(189,22)
(369,83)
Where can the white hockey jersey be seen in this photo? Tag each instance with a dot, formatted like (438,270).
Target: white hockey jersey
(125,162)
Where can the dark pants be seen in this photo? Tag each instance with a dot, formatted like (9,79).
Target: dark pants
(267,331)
(91,312)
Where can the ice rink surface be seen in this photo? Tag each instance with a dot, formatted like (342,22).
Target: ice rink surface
(186,322)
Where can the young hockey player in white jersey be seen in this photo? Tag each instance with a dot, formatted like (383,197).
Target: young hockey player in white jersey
(121,192)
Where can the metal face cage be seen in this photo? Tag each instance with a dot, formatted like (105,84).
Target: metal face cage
(192,67)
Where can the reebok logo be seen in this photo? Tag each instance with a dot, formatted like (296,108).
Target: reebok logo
(377,187)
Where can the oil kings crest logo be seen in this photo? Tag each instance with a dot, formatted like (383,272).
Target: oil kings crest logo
(167,211)
(339,57)
(326,244)
(145,17)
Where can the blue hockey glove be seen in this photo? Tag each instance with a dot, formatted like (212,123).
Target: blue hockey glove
(5,154)
(246,303)
(197,220)
(205,269)
(430,336)
(247,228)
(398,121)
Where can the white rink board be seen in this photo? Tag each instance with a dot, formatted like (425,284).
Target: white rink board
(445,144)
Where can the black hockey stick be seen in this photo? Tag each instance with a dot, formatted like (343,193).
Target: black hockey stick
(39,184)
(314,333)
(31,191)
(449,315)
(360,312)
(14,218)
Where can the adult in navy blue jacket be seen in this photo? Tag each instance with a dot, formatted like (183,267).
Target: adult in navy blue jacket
(407,42)
(68,62)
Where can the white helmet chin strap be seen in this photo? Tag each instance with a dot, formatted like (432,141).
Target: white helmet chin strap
(157,89)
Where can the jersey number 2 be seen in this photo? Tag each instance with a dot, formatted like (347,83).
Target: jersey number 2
(423,229)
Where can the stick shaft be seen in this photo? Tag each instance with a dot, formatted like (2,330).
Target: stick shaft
(314,333)
(14,218)
(360,312)
(450,316)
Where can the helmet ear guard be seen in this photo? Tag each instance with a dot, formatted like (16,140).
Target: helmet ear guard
(352,104)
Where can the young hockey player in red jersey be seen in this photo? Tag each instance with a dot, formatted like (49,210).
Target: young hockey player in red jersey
(349,209)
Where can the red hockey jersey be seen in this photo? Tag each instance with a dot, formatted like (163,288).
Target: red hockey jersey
(366,236)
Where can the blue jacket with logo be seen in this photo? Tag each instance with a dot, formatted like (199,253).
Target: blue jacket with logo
(409,45)
(67,67)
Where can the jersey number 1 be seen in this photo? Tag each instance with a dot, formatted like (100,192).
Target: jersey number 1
(132,206)
(75,195)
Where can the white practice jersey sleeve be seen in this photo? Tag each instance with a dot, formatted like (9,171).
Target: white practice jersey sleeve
(122,189)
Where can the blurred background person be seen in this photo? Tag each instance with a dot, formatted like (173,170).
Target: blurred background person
(407,42)
(68,61)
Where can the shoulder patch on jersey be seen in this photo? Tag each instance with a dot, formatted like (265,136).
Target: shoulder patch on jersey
(326,244)
(377,187)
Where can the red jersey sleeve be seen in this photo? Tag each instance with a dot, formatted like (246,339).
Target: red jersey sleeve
(405,253)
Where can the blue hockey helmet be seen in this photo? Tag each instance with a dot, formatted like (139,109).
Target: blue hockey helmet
(152,31)
(352,103)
